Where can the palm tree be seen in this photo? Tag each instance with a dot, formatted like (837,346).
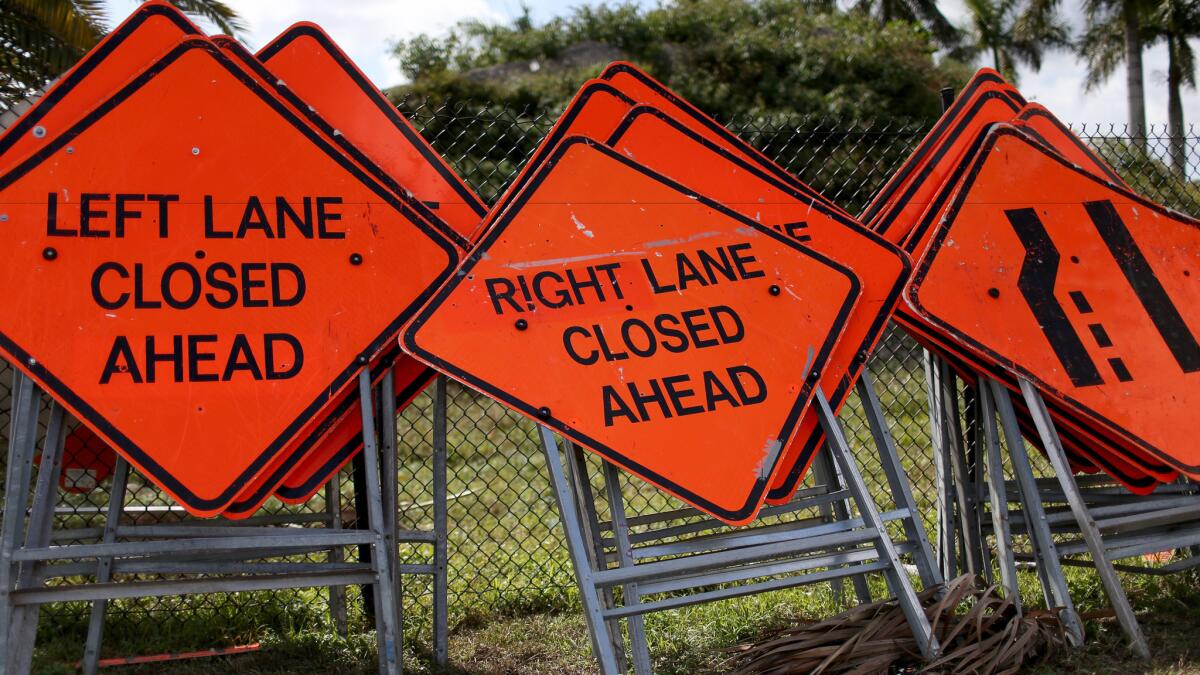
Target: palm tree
(1177,21)
(1011,36)
(924,12)
(39,39)
(1116,33)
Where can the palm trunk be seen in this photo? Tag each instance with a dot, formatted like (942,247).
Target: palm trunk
(1134,84)
(1178,147)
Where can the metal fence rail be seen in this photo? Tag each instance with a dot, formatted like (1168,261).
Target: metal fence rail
(506,553)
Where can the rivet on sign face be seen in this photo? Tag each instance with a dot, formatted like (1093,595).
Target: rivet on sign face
(993,292)
(3,217)
(544,413)
(195,151)
(32,362)
(70,150)
(361,360)
(814,375)
(521,324)
(39,131)
(774,289)
(50,253)
(355,258)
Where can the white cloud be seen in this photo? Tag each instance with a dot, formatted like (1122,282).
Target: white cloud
(365,29)
(1059,84)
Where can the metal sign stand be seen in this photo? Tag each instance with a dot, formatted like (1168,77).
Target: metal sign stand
(655,558)
(226,553)
(1092,515)
(1067,516)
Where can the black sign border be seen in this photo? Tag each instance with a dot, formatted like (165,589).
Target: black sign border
(841,393)
(310,30)
(754,498)
(26,361)
(939,238)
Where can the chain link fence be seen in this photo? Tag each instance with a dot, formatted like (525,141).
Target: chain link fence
(506,552)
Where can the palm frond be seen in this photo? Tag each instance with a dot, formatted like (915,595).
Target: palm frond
(220,14)
(980,632)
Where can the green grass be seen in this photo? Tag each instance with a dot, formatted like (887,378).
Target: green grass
(556,642)
(513,603)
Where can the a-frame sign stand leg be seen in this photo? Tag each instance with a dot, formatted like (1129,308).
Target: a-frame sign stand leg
(22,443)
(116,504)
(1083,518)
(897,480)
(598,627)
(27,553)
(893,571)
(384,554)
(998,497)
(946,523)
(1049,568)
(668,561)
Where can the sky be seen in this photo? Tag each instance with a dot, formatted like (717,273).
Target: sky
(365,29)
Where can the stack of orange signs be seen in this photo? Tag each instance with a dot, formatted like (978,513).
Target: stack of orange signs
(1036,261)
(657,290)
(204,249)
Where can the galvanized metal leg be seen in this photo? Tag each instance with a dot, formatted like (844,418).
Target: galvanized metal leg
(41,520)
(577,546)
(897,480)
(953,464)
(964,494)
(897,578)
(337,594)
(944,523)
(998,497)
(827,474)
(389,488)
(112,519)
(589,522)
(1054,584)
(977,461)
(384,556)
(1083,517)
(441,635)
(620,526)
(22,441)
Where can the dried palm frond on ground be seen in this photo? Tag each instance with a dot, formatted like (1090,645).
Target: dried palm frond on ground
(980,633)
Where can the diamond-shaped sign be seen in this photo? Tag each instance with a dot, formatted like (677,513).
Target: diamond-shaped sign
(661,330)
(1076,284)
(196,273)
(148,33)
(664,144)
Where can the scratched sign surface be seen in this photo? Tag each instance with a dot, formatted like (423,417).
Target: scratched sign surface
(667,333)
(1082,287)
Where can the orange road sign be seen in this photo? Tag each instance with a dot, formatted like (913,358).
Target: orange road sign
(192,302)
(1076,284)
(595,110)
(638,85)
(985,79)
(86,463)
(149,32)
(358,109)
(910,193)
(674,337)
(1040,123)
(651,138)
(1127,460)
(311,65)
